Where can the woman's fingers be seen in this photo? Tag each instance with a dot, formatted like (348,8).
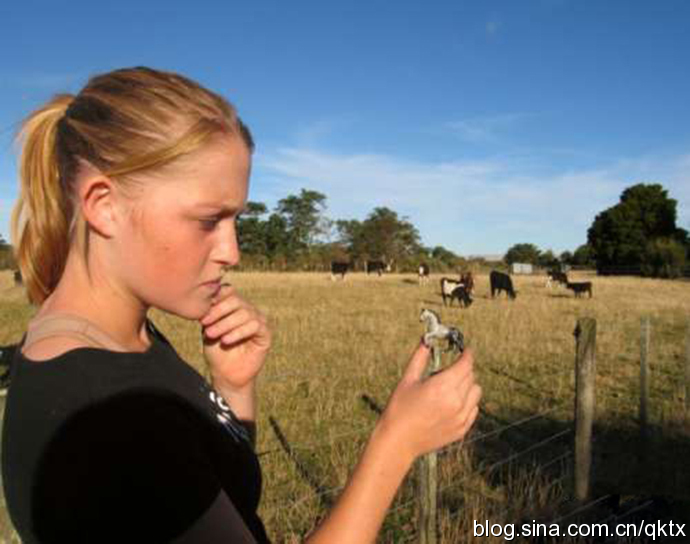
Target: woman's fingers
(467,425)
(236,324)
(227,301)
(471,402)
(418,362)
(242,332)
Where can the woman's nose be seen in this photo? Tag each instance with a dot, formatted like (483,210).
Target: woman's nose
(227,250)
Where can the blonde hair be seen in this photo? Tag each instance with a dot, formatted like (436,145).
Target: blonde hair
(123,122)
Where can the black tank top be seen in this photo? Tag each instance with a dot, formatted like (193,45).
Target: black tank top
(102,445)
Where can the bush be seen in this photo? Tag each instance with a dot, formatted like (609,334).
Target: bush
(664,258)
(7,260)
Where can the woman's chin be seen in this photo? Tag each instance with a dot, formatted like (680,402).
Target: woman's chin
(192,312)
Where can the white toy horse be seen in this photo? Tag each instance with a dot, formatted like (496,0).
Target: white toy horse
(435,329)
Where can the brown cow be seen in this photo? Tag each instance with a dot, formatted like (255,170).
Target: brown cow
(467,279)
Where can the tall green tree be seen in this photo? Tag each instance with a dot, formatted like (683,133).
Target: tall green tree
(303,215)
(251,230)
(349,235)
(619,235)
(522,253)
(385,235)
(6,255)
(276,236)
(547,259)
(664,258)
(445,256)
(566,257)
(583,256)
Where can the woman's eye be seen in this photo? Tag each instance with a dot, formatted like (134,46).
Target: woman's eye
(209,224)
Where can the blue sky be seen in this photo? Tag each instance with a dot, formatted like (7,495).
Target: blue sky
(485,123)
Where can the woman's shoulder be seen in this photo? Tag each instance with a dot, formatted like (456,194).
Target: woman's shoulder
(51,347)
(55,336)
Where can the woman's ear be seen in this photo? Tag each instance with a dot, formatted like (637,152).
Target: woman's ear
(99,205)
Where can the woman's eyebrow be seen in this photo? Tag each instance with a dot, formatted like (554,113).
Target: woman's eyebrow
(220,209)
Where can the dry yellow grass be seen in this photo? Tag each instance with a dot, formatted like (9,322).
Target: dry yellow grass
(337,341)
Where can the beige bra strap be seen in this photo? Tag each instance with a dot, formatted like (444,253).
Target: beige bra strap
(72,326)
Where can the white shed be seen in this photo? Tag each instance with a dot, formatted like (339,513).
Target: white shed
(521,268)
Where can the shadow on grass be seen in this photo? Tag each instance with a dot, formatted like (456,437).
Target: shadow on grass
(305,468)
(631,480)
(372,404)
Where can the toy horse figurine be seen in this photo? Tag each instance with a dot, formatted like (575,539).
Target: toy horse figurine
(435,329)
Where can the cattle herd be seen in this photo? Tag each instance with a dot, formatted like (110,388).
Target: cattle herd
(460,289)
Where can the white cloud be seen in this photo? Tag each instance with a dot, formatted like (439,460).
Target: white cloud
(492,27)
(317,131)
(485,129)
(471,206)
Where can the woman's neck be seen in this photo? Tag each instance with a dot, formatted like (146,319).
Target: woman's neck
(102,302)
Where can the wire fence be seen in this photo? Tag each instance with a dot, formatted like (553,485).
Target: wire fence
(533,446)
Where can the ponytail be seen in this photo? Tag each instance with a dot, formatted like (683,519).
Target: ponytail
(41,217)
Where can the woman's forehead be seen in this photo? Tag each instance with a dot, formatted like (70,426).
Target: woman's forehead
(213,177)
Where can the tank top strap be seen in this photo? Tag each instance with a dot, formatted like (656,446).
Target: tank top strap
(72,326)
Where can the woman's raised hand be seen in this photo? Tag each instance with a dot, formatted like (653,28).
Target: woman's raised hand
(236,340)
(423,415)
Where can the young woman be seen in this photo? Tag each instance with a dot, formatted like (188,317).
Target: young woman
(129,194)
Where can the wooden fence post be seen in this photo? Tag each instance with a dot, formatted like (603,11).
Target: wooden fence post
(428,480)
(585,371)
(644,377)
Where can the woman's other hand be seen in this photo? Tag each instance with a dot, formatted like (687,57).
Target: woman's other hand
(423,415)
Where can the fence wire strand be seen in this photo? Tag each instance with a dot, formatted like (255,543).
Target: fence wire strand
(582,508)
(486,471)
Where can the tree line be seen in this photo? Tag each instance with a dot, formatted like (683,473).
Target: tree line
(638,235)
(297,235)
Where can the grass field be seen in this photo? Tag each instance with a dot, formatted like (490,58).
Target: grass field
(337,341)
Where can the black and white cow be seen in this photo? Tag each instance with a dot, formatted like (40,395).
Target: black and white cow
(423,273)
(447,287)
(462,295)
(339,268)
(451,288)
(501,282)
(375,266)
(557,276)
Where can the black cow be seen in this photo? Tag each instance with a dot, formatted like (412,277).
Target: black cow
(339,268)
(501,282)
(17,277)
(580,287)
(375,266)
